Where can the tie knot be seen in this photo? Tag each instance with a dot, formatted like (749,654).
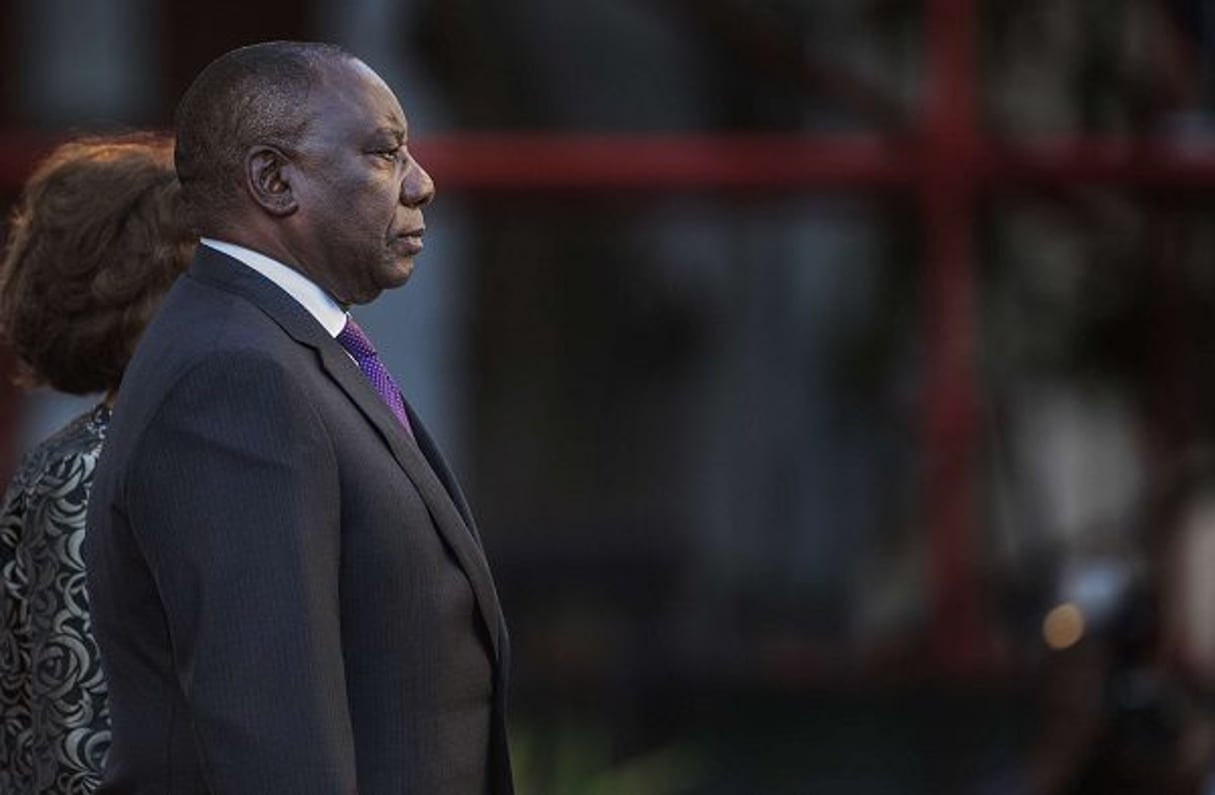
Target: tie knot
(354,340)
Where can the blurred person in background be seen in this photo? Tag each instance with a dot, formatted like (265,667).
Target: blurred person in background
(94,243)
(1126,701)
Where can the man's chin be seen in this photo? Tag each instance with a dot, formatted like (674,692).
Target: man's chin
(390,278)
(392,275)
(401,273)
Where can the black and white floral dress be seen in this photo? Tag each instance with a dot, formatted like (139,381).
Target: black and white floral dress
(54,724)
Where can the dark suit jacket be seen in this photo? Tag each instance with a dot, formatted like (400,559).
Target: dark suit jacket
(288,591)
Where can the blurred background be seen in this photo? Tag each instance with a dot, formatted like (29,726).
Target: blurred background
(830,377)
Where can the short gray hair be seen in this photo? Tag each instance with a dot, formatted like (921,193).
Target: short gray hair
(248,96)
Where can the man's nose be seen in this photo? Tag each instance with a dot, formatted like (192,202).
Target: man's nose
(417,189)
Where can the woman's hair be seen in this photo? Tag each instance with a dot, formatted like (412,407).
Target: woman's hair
(96,239)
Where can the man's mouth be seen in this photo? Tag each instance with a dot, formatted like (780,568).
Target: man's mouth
(412,241)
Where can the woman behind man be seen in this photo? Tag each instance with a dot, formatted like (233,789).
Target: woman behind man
(93,245)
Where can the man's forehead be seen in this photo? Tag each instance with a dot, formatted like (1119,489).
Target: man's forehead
(361,97)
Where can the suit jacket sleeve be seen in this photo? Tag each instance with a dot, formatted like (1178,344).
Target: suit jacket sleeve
(233,499)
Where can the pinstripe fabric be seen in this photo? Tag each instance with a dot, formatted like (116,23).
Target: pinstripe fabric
(287,588)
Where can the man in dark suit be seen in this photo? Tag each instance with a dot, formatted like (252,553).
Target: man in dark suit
(287,586)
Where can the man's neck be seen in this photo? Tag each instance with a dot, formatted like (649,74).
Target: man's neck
(308,293)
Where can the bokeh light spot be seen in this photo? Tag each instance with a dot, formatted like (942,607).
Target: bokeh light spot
(1063,626)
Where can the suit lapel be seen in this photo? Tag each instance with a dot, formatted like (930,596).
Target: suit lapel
(442,503)
(438,465)
(443,499)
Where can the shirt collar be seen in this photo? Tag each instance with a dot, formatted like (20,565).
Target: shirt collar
(318,303)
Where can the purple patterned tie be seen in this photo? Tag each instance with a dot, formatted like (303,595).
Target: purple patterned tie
(357,345)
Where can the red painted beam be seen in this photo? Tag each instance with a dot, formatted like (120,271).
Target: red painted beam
(952,165)
(657,162)
(1150,163)
(602,163)
(948,156)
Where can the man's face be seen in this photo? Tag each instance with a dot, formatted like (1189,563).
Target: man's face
(360,193)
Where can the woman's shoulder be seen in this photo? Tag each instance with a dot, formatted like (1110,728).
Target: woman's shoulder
(79,439)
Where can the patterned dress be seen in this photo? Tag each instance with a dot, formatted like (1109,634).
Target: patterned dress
(54,724)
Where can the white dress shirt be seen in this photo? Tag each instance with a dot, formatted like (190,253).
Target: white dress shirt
(318,303)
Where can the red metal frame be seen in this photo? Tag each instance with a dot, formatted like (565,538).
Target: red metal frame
(527,162)
(947,163)
(948,189)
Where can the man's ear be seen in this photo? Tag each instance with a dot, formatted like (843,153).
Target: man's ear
(268,179)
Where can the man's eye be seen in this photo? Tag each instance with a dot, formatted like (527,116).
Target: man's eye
(391,155)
